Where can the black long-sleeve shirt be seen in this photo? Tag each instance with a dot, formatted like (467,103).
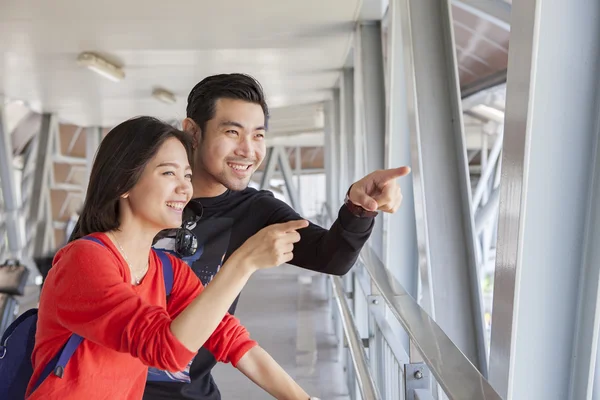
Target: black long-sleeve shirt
(227,221)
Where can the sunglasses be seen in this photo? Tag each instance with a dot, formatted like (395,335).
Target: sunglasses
(186,242)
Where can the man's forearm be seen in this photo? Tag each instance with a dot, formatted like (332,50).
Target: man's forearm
(263,370)
(333,251)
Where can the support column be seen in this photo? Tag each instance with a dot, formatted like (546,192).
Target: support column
(546,295)
(440,172)
(330,158)
(93,137)
(348,129)
(338,146)
(14,221)
(298,167)
(277,156)
(270,163)
(40,212)
(400,240)
(370,104)
(286,171)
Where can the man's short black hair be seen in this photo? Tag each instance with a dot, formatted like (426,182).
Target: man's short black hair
(203,97)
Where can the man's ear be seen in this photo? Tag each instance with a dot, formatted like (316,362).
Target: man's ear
(189,126)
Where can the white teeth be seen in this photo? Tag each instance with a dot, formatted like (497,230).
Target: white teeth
(239,167)
(177,206)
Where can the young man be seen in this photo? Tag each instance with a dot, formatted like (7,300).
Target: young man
(227,118)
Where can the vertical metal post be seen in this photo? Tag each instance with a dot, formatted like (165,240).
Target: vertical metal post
(93,137)
(347,142)
(270,163)
(298,158)
(330,156)
(14,221)
(546,289)
(40,212)
(401,246)
(339,149)
(286,171)
(348,130)
(441,176)
(370,103)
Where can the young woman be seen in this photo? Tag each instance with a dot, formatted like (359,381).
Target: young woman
(113,294)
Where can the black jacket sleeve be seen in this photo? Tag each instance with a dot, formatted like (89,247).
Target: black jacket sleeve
(332,251)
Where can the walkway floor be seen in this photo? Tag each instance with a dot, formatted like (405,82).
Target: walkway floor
(286,312)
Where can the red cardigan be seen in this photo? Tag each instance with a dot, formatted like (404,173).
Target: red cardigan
(126,328)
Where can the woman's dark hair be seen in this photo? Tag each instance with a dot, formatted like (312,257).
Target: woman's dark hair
(119,163)
(203,97)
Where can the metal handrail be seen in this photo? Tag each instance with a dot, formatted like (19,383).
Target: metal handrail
(457,376)
(364,378)
(454,372)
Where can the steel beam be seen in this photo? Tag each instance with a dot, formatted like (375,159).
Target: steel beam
(440,172)
(340,189)
(61,159)
(71,187)
(486,214)
(495,11)
(74,139)
(27,176)
(14,221)
(370,104)
(546,294)
(270,164)
(348,128)
(330,156)
(288,179)
(298,167)
(93,137)
(400,238)
(40,212)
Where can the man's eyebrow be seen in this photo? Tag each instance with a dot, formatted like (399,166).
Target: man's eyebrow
(238,125)
(232,123)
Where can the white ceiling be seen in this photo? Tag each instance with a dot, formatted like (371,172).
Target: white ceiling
(295,49)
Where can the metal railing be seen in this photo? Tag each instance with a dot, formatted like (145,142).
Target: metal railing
(406,355)
(364,379)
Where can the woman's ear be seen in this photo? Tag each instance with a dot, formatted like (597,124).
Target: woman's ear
(124,196)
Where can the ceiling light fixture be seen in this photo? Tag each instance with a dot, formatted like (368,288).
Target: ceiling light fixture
(164,95)
(101,66)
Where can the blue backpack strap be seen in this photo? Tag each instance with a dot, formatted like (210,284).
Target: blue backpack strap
(57,366)
(167,268)
(93,239)
(66,354)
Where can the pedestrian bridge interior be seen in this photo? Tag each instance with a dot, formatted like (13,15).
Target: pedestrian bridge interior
(486,282)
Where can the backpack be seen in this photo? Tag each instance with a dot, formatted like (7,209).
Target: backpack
(18,341)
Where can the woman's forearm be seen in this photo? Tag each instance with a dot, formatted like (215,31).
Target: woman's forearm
(263,370)
(199,320)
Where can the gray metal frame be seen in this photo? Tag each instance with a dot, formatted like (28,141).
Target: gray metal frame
(546,292)
(495,11)
(368,388)
(441,177)
(93,137)
(14,221)
(277,156)
(348,129)
(40,212)
(370,104)
(456,375)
